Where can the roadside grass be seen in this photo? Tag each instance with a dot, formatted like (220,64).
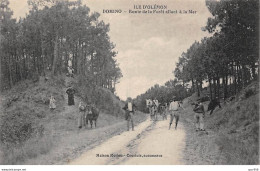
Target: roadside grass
(29,130)
(237,127)
(73,143)
(28,150)
(233,129)
(24,110)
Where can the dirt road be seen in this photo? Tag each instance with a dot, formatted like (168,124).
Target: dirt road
(150,143)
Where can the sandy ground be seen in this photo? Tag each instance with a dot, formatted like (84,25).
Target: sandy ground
(134,147)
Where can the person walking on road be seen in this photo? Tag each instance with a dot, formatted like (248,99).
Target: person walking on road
(173,110)
(199,116)
(130,110)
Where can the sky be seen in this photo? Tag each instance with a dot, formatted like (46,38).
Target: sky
(148,45)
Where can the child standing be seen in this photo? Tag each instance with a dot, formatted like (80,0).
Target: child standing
(52,104)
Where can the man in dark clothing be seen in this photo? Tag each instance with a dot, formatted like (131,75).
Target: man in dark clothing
(213,104)
(199,116)
(130,108)
(70,91)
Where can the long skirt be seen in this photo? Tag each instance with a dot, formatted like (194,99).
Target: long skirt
(71,100)
(82,119)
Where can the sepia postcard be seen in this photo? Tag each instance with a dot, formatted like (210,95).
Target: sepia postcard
(129,82)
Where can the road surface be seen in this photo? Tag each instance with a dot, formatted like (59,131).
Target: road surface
(150,144)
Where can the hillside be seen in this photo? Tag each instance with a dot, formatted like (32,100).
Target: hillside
(233,131)
(32,134)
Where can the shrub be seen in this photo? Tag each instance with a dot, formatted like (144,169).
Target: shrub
(249,93)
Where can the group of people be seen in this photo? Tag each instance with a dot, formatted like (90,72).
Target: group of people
(87,113)
(153,106)
(70,91)
(173,109)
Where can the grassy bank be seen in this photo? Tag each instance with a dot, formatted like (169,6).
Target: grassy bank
(32,134)
(24,112)
(233,131)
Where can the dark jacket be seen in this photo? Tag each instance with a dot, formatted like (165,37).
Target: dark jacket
(70,91)
(199,109)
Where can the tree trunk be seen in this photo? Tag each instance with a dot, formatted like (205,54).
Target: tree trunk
(215,88)
(55,53)
(243,77)
(253,71)
(10,73)
(198,89)
(235,79)
(238,77)
(225,84)
(210,89)
(218,84)
(1,72)
(192,85)
(79,61)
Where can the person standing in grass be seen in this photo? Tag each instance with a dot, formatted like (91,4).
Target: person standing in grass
(199,116)
(70,91)
(82,115)
(52,104)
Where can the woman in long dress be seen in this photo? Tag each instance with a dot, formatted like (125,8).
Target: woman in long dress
(70,91)
(82,115)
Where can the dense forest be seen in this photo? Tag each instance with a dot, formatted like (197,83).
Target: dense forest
(225,62)
(54,34)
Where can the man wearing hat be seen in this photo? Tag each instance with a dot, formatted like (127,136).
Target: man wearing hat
(130,108)
(173,110)
(199,116)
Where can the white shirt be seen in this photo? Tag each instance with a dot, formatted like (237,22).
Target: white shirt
(174,106)
(70,63)
(130,106)
(156,102)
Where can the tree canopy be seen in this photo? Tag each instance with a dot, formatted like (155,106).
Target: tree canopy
(226,61)
(53,34)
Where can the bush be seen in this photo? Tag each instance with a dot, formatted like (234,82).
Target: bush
(101,97)
(15,128)
(249,93)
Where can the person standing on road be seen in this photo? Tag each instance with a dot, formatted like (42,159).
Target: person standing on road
(130,110)
(155,108)
(199,116)
(149,105)
(173,110)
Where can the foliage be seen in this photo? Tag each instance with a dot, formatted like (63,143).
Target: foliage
(52,35)
(164,94)
(230,55)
